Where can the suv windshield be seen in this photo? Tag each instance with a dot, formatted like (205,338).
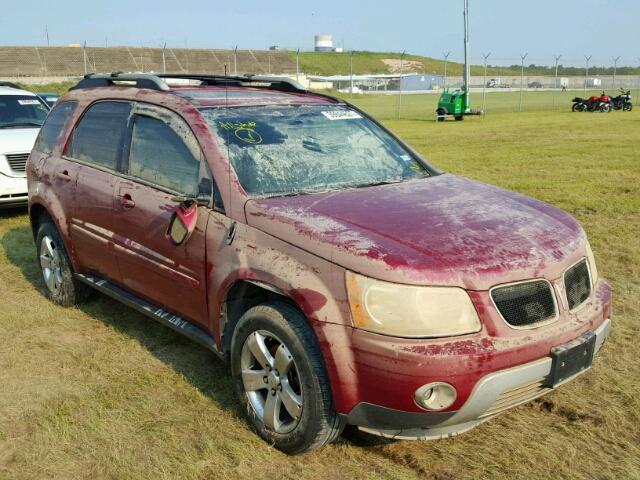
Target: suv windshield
(294,149)
(21,111)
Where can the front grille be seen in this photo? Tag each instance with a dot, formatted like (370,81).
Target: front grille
(18,161)
(577,284)
(516,396)
(525,304)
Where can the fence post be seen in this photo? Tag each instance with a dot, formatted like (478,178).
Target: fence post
(522,57)
(484,81)
(400,84)
(555,86)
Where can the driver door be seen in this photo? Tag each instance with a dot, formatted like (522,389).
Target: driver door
(164,162)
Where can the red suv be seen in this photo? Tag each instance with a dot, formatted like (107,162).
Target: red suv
(346,279)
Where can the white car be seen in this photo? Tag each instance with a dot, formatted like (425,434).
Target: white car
(21,116)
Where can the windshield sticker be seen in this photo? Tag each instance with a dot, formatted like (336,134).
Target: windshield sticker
(28,102)
(243,131)
(341,114)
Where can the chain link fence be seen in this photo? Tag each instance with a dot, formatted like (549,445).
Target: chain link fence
(388,85)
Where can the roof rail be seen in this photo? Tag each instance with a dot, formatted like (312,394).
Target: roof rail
(158,81)
(142,80)
(10,84)
(271,82)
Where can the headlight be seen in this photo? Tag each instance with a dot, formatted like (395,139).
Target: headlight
(592,264)
(410,311)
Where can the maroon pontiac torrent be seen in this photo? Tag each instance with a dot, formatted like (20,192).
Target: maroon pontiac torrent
(347,280)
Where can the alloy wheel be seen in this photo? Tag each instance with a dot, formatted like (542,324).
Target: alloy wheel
(271,381)
(50,263)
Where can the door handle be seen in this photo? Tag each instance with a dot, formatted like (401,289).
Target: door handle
(64,176)
(126,201)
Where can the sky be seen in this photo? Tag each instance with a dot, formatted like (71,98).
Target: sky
(503,28)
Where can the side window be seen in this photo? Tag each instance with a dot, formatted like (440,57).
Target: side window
(54,125)
(99,136)
(158,155)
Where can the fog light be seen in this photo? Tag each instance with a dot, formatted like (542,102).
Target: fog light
(435,396)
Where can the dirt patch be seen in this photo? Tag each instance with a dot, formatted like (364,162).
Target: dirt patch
(393,65)
(570,414)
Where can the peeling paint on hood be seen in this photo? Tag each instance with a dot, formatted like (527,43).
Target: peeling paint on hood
(443,230)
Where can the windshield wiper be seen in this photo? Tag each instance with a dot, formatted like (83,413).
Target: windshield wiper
(382,182)
(22,124)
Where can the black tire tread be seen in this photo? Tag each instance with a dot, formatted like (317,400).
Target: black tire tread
(72,291)
(331,424)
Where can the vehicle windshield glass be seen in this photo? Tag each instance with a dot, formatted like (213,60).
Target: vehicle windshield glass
(295,149)
(21,111)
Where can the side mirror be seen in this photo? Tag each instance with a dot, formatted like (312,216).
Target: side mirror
(183,223)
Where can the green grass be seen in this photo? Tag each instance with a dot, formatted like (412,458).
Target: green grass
(99,391)
(423,106)
(334,63)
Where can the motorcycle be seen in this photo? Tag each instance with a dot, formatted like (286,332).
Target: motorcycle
(595,103)
(622,101)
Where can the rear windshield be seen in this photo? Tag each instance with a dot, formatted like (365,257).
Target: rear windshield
(295,149)
(18,111)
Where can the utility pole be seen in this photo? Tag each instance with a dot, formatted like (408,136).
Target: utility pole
(615,68)
(400,84)
(556,86)
(298,65)
(164,63)
(586,72)
(235,61)
(351,74)
(484,82)
(84,56)
(522,57)
(467,59)
(446,59)
(46,33)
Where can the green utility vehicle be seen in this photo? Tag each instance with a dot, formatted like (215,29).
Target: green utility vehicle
(452,103)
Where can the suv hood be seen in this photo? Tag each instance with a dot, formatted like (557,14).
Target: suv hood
(443,230)
(17,140)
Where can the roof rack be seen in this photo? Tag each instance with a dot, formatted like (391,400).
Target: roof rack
(142,80)
(10,84)
(158,81)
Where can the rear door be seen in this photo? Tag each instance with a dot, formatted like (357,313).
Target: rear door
(165,162)
(97,145)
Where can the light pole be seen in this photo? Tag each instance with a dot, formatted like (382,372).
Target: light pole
(615,68)
(484,82)
(235,61)
(164,63)
(400,83)
(84,56)
(298,65)
(522,57)
(586,72)
(446,59)
(555,87)
(351,74)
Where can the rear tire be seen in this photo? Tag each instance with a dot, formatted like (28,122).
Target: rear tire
(459,118)
(60,286)
(279,374)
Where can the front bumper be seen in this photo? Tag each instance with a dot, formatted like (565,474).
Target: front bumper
(13,191)
(492,395)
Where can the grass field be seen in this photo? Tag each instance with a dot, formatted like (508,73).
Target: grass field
(99,391)
(423,106)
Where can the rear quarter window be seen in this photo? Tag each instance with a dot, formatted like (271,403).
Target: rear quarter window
(54,125)
(99,135)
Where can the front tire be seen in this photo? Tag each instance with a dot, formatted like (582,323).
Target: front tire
(60,286)
(440,115)
(627,107)
(281,380)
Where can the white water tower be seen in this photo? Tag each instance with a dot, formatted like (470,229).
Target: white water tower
(323,43)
